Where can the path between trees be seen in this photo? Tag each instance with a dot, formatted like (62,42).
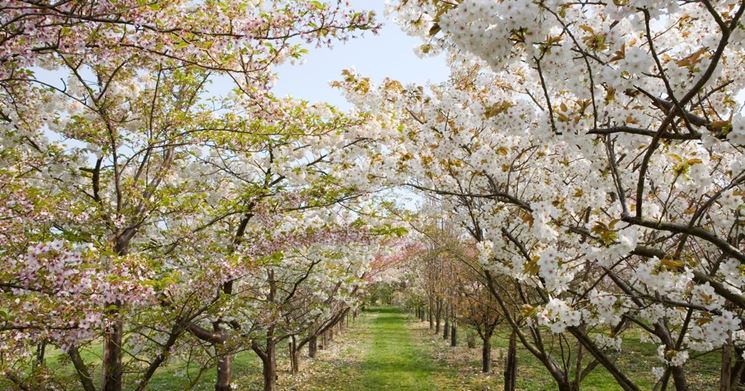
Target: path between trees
(383,350)
(395,359)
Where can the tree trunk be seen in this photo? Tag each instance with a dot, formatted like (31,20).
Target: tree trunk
(40,351)
(313,347)
(566,386)
(86,380)
(294,356)
(112,350)
(446,328)
(114,331)
(453,336)
(510,364)
(431,320)
(739,369)
(620,377)
(725,377)
(486,354)
(270,367)
(224,368)
(680,379)
(324,340)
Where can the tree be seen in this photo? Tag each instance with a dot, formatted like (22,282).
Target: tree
(118,143)
(599,188)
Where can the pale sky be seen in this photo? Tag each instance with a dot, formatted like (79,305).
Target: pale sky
(390,53)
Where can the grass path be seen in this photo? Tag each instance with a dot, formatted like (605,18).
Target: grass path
(395,358)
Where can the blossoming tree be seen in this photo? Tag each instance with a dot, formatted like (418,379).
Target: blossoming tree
(613,193)
(102,168)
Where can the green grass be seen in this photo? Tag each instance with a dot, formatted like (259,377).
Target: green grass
(178,376)
(636,360)
(395,358)
(175,375)
(385,349)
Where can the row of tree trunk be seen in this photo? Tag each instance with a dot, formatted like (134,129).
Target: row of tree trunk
(315,343)
(450,332)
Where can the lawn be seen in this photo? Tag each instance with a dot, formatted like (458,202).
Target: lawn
(636,359)
(175,376)
(396,359)
(386,349)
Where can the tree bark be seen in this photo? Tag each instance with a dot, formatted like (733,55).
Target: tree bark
(738,372)
(620,377)
(566,386)
(270,367)
(446,328)
(486,353)
(510,365)
(114,332)
(86,380)
(40,351)
(159,359)
(725,378)
(453,335)
(224,369)
(112,350)
(312,346)
(294,356)
(680,379)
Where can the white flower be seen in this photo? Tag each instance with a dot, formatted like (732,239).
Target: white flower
(636,61)
(557,315)
(737,133)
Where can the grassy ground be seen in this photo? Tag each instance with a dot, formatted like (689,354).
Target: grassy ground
(636,359)
(384,349)
(175,376)
(396,359)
